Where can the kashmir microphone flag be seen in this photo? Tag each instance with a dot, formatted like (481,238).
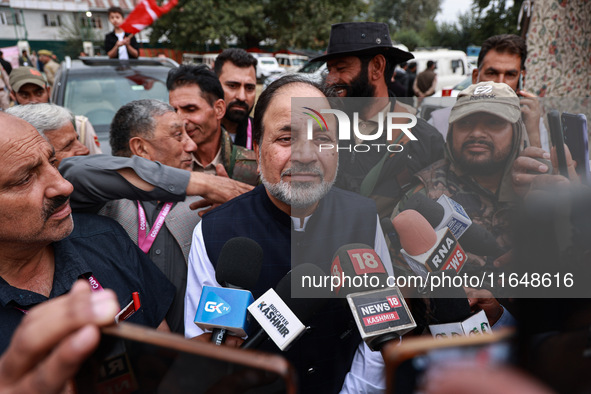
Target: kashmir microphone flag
(144,14)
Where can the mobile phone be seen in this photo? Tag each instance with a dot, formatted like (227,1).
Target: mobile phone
(520,82)
(136,359)
(574,127)
(558,140)
(407,363)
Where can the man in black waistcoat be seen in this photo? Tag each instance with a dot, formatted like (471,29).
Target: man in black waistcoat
(296,209)
(360,59)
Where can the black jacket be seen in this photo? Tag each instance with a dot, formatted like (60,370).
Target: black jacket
(111,40)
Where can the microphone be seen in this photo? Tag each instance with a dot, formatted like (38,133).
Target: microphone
(282,317)
(225,309)
(445,212)
(424,249)
(381,315)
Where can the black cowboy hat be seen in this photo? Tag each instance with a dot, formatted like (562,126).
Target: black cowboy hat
(362,38)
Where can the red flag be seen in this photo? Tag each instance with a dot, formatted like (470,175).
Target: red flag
(144,14)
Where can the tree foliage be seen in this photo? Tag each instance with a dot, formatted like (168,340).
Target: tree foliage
(404,14)
(194,25)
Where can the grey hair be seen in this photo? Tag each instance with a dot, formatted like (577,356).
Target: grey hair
(135,119)
(44,117)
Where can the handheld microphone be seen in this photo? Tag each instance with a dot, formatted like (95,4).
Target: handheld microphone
(424,249)
(381,315)
(282,317)
(445,212)
(224,309)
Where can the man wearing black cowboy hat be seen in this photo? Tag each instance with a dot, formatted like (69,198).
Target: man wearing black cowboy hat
(360,59)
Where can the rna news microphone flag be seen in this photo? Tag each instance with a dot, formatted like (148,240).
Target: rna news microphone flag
(144,14)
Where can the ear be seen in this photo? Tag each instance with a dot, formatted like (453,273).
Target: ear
(257,148)
(140,147)
(376,68)
(220,108)
(475,76)
(48,90)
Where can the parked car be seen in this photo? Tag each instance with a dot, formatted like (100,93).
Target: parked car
(97,87)
(267,66)
(290,61)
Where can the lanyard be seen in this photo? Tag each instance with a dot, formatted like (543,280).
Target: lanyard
(145,239)
(249,135)
(94,286)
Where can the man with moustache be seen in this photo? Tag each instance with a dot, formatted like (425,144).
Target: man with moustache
(360,60)
(485,137)
(198,97)
(294,208)
(236,70)
(153,149)
(45,248)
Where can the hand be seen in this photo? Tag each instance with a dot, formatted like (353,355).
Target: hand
(482,299)
(530,108)
(526,168)
(231,340)
(54,339)
(216,189)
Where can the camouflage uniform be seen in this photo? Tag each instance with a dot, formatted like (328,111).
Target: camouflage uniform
(240,163)
(491,210)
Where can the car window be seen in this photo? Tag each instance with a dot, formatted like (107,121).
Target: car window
(98,96)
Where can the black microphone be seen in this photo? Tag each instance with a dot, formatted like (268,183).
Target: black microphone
(239,265)
(475,238)
(281,316)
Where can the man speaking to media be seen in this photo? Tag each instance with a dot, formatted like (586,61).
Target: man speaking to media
(296,209)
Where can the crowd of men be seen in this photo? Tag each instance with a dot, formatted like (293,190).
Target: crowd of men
(82,232)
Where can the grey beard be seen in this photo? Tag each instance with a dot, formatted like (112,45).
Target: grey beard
(298,195)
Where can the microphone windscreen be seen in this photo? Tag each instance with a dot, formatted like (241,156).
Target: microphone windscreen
(239,263)
(416,234)
(478,240)
(430,209)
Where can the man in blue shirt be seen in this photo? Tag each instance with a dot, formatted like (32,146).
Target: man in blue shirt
(45,249)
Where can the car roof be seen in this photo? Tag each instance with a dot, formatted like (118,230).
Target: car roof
(103,61)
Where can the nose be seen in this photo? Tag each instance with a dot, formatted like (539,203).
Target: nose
(331,78)
(241,94)
(479,129)
(80,149)
(304,151)
(57,185)
(188,144)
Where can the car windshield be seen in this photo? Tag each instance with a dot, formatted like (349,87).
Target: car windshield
(99,93)
(311,67)
(267,61)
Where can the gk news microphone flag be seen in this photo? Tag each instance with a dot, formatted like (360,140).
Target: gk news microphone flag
(144,14)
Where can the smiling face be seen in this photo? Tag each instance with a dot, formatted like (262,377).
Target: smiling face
(348,75)
(34,198)
(170,144)
(481,143)
(202,120)
(295,172)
